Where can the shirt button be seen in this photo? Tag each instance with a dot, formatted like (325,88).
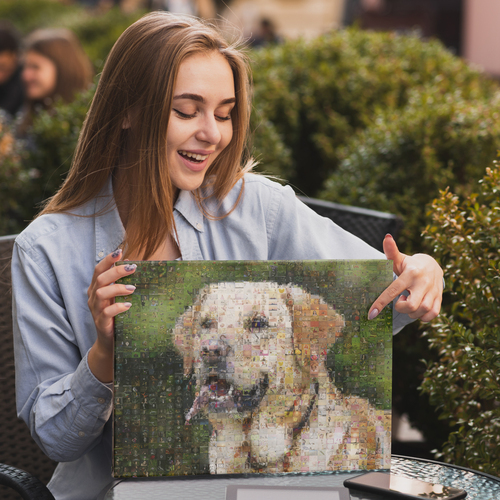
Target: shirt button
(101,254)
(81,434)
(101,401)
(198,226)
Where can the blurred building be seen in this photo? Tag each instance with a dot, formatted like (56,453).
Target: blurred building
(290,18)
(469,28)
(440,19)
(480,34)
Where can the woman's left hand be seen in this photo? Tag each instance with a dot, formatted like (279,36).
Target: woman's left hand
(420,275)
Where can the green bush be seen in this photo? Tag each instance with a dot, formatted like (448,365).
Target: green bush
(96,31)
(54,135)
(32,169)
(13,177)
(464,382)
(28,15)
(406,156)
(99,33)
(316,95)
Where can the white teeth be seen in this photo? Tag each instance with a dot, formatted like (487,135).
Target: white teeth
(194,155)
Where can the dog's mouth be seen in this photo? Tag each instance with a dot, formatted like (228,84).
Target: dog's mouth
(217,395)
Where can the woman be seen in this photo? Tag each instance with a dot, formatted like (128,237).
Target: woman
(55,66)
(157,174)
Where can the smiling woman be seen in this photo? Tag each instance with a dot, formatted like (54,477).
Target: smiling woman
(200,120)
(160,172)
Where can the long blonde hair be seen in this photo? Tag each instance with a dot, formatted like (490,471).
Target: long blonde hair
(140,75)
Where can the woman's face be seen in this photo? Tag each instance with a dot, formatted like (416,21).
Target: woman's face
(39,76)
(200,124)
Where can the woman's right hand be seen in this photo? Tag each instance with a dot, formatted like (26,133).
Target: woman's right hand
(102,292)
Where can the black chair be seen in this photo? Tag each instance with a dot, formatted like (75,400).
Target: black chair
(369,225)
(29,487)
(28,469)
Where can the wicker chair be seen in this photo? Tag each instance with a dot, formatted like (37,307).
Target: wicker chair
(17,449)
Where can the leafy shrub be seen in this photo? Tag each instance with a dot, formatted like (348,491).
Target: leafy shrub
(54,135)
(32,169)
(463,383)
(316,95)
(406,156)
(96,31)
(12,176)
(99,33)
(28,15)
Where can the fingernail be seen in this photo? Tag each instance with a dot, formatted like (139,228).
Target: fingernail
(388,235)
(130,267)
(130,287)
(127,304)
(116,253)
(373,314)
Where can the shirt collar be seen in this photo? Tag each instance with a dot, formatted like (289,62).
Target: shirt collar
(187,206)
(109,230)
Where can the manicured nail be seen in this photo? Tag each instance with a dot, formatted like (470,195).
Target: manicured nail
(130,267)
(389,235)
(130,287)
(127,304)
(116,253)
(373,314)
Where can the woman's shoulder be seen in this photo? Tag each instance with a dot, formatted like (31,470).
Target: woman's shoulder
(262,188)
(56,228)
(262,182)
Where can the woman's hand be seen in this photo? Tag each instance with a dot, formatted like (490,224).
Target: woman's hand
(102,292)
(420,275)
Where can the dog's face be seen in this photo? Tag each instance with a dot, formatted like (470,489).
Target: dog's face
(229,339)
(258,353)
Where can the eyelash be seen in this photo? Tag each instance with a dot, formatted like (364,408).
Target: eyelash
(187,117)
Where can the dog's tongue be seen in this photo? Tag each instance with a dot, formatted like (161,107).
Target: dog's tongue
(216,394)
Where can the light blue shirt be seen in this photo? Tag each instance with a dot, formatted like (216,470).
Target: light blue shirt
(66,408)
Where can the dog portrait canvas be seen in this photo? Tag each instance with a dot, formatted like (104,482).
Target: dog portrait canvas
(234,367)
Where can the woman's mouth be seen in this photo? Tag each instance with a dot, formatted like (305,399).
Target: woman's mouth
(194,157)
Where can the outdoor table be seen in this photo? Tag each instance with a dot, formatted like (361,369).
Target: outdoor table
(479,486)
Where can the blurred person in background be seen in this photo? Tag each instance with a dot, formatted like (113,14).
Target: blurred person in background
(11,88)
(266,34)
(55,67)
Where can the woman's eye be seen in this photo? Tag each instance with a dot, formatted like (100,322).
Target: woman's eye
(223,118)
(184,115)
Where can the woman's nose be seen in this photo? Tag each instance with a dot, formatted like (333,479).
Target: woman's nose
(209,131)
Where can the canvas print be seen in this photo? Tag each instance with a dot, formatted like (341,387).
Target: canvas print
(234,367)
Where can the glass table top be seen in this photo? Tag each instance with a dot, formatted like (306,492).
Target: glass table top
(478,486)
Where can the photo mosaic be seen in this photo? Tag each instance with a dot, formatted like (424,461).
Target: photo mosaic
(234,367)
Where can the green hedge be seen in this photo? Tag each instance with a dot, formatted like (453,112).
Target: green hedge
(464,382)
(316,95)
(96,31)
(406,156)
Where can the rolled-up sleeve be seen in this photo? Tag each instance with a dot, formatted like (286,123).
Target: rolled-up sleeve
(58,397)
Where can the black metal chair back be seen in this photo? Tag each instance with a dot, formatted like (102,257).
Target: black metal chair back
(17,448)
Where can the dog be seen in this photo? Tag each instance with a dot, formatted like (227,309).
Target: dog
(257,355)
